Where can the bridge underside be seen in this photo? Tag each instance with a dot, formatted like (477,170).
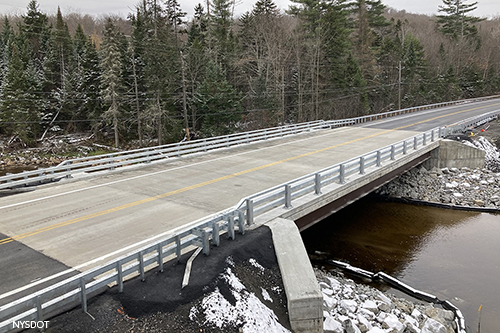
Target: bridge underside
(323,212)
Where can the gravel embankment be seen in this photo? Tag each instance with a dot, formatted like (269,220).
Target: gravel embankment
(478,188)
(349,307)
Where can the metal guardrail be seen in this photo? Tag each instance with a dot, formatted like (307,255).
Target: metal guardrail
(146,155)
(77,289)
(467,124)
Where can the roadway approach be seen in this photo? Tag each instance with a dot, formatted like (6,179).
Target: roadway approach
(64,228)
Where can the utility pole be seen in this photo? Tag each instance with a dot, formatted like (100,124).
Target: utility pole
(399,87)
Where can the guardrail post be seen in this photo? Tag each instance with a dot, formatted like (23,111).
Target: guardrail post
(379,158)
(281,131)
(424,138)
(141,265)
(415,143)
(249,211)
(205,242)
(216,235)
(112,167)
(178,150)
(83,295)
(119,276)
(265,134)
(178,248)
(39,313)
(227,141)
(160,258)
(362,165)
(404,147)
(230,227)
(342,174)
(393,153)
(432,135)
(205,144)
(241,222)
(317,184)
(288,196)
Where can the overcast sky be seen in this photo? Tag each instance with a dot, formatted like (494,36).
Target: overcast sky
(486,8)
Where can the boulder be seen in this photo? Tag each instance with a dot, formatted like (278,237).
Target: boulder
(331,325)
(432,326)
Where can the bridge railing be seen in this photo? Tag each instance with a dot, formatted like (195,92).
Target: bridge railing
(146,155)
(77,289)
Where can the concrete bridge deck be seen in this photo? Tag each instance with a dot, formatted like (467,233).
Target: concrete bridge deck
(77,223)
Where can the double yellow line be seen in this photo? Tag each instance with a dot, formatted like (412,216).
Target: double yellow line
(216,180)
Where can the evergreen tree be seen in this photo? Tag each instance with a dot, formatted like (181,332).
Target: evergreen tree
(222,40)
(455,21)
(19,108)
(62,48)
(196,57)
(161,72)
(218,102)
(368,24)
(337,43)
(137,51)
(87,75)
(111,76)
(199,26)
(265,8)
(174,13)
(35,26)
(6,40)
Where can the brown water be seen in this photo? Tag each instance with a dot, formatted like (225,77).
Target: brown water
(454,255)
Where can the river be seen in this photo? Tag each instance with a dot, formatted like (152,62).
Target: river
(454,255)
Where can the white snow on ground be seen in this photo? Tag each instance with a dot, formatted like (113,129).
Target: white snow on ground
(266,296)
(248,312)
(492,158)
(256,264)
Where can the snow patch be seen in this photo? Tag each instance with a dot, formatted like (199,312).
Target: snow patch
(265,295)
(254,263)
(248,312)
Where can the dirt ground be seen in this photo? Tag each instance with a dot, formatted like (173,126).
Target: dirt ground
(160,305)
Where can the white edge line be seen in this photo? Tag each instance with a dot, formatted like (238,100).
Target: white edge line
(164,171)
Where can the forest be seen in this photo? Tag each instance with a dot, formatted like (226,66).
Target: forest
(158,76)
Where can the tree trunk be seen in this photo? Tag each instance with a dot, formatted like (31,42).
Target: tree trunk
(184,101)
(139,120)
(159,124)
(115,122)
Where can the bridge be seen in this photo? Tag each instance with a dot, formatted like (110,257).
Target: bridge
(82,224)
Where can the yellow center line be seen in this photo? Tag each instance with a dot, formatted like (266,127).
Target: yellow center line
(216,180)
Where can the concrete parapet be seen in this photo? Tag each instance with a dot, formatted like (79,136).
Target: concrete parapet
(305,301)
(453,154)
